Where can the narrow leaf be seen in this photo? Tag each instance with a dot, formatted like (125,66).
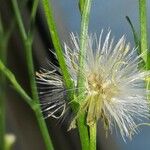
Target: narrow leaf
(136,39)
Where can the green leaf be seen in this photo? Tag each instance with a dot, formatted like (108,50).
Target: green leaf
(136,38)
(142,65)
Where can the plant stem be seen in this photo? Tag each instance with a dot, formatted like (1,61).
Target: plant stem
(2,117)
(4,38)
(83,39)
(14,82)
(2,90)
(32,19)
(83,128)
(43,128)
(28,48)
(56,41)
(144,37)
(19,20)
(34,10)
(32,104)
(28,41)
(83,132)
(93,137)
(143,31)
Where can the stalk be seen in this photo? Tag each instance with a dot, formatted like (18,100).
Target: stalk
(10,76)
(28,41)
(83,129)
(30,102)
(144,37)
(4,38)
(2,117)
(143,31)
(93,137)
(56,41)
(28,49)
(2,90)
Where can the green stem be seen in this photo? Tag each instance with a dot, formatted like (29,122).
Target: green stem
(29,57)
(32,104)
(14,82)
(83,132)
(4,38)
(56,41)
(28,41)
(2,98)
(32,19)
(19,20)
(83,39)
(144,36)
(2,118)
(29,60)
(83,129)
(1,26)
(28,48)
(43,128)
(2,94)
(93,137)
(34,10)
(143,31)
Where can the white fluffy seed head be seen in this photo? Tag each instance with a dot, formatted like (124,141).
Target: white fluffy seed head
(114,87)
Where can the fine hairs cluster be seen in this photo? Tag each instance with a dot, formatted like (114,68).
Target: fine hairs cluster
(114,87)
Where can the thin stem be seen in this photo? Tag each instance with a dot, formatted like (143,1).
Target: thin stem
(83,132)
(14,82)
(32,104)
(83,129)
(1,26)
(28,41)
(29,58)
(83,39)
(32,19)
(93,137)
(44,130)
(143,31)
(56,41)
(19,20)
(34,9)
(2,118)
(4,38)
(28,48)
(144,36)
(2,94)
(37,111)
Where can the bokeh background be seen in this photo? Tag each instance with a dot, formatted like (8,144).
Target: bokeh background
(105,15)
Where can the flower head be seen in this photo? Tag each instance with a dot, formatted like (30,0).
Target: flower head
(114,86)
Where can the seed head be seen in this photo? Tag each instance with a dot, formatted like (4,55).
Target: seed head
(113,87)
